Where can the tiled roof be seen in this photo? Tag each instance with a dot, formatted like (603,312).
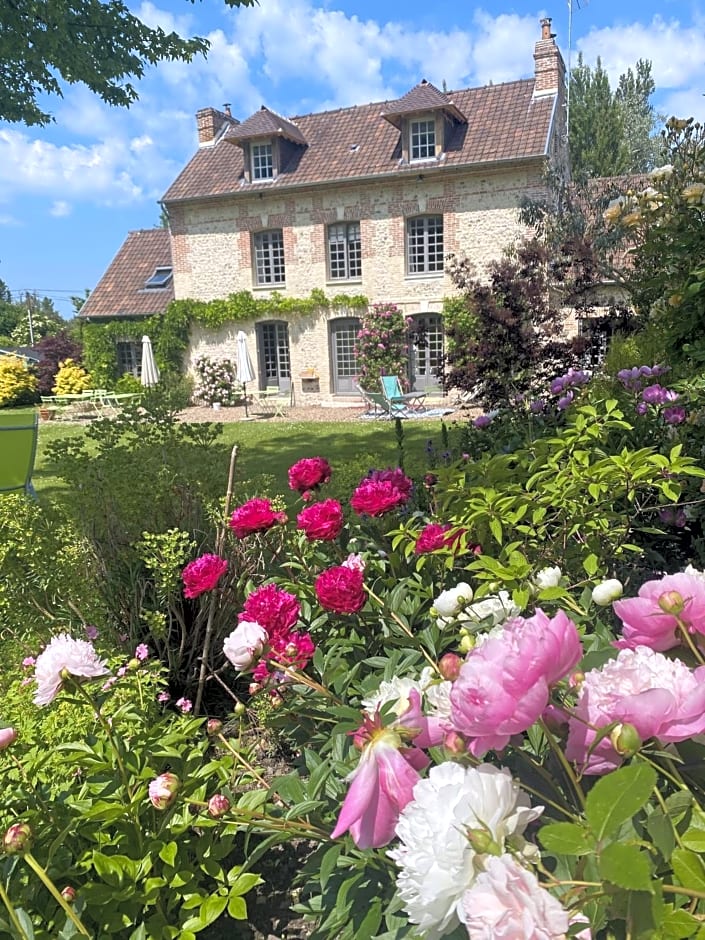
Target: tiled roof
(265,123)
(121,291)
(423,97)
(504,122)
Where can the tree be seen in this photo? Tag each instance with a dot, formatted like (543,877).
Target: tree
(99,44)
(46,320)
(612,133)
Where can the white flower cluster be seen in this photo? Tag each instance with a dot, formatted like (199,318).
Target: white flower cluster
(454,607)
(216,381)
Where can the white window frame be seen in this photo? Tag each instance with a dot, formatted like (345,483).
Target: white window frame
(425,244)
(346,263)
(262,160)
(422,139)
(268,257)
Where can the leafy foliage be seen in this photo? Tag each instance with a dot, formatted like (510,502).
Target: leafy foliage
(18,383)
(54,350)
(71,379)
(382,345)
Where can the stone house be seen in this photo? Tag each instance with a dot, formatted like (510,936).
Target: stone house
(368,200)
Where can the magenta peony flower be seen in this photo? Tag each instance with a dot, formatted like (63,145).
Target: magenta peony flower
(506,902)
(256,515)
(435,536)
(376,495)
(650,618)
(245,644)
(662,698)
(62,656)
(503,686)
(322,521)
(273,608)
(295,649)
(381,785)
(202,574)
(309,473)
(163,789)
(341,589)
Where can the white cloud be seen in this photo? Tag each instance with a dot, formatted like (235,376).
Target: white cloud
(503,50)
(6,219)
(60,209)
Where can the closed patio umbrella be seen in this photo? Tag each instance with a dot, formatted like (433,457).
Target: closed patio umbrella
(243,363)
(150,372)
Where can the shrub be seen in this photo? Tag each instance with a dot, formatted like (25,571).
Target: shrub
(54,350)
(18,384)
(71,379)
(382,346)
(216,381)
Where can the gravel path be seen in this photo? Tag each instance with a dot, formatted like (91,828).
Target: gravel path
(305,413)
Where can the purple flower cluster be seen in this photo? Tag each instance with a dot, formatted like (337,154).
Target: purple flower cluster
(633,379)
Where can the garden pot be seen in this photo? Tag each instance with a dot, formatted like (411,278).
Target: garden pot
(216,406)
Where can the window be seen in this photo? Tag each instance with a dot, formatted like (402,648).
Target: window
(129,358)
(423,140)
(425,244)
(344,251)
(160,278)
(269,257)
(262,162)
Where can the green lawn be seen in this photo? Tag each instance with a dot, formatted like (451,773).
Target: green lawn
(269,448)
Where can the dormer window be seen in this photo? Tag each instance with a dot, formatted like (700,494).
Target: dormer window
(160,278)
(262,161)
(422,143)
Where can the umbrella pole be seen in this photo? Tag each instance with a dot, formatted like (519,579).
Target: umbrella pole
(244,391)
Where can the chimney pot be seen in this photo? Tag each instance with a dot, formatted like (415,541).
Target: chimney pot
(226,108)
(546,28)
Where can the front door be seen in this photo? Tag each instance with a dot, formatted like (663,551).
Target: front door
(426,351)
(274,357)
(343,336)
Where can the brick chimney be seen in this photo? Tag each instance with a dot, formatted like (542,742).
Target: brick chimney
(549,68)
(209,122)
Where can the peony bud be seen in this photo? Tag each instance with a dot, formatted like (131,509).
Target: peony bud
(607,591)
(467,643)
(213,727)
(18,839)
(483,843)
(240,710)
(68,894)
(454,743)
(163,790)
(7,737)
(218,805)
(625,740)
(671,602)
(449,666)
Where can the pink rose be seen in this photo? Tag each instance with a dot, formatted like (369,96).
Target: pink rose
(340,589)
(322,521)
(202,574)
(309,473)
(503,687)
(662,698)
(256,515)
(273,608)
(650,619)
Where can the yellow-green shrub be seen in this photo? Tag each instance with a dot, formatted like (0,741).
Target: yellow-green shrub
(71,379)
(18,386)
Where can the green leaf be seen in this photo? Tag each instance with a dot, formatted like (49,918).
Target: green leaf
(212,908)
(168,853)
(328,863)
(590,564)
(678,924)
(567,839)
(617,797)
(626,866)
(496,530)
(237,909)
(694,839)
(689,869)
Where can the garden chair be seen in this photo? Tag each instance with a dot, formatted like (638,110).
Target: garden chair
(18,448)
(391,389)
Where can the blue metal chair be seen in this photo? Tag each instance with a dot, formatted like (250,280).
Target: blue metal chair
(391,388)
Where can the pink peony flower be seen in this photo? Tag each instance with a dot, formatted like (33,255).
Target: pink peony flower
(662,698)
(355,562)
(163,789)
(309,473)
(256,515)
(202,574)
(322,521)
(396,477)
(63,656)
(650,618)
(381,785)
(506,902)
(8,736)
(245,644)
(503,686)
(373,498)
(341,589)
(272,608)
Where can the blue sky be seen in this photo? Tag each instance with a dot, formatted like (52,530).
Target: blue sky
(69,193)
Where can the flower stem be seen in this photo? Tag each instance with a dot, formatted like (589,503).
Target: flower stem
(432,662)
(689,641)
(53,890)
(570,773)
(12,914)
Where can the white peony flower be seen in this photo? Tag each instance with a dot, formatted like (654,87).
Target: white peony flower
(62,656)
(607,591)
(437,861)
(396,691)
(506,902)
(245,644)
(694,572)
(500,607)
(450,602)
(547,577)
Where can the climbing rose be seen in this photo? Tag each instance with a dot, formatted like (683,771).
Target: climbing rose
(273,608)
(202,574)
(256,515)
(322,521)
(340,589)
(64,655)
(506,902)
(309,473)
